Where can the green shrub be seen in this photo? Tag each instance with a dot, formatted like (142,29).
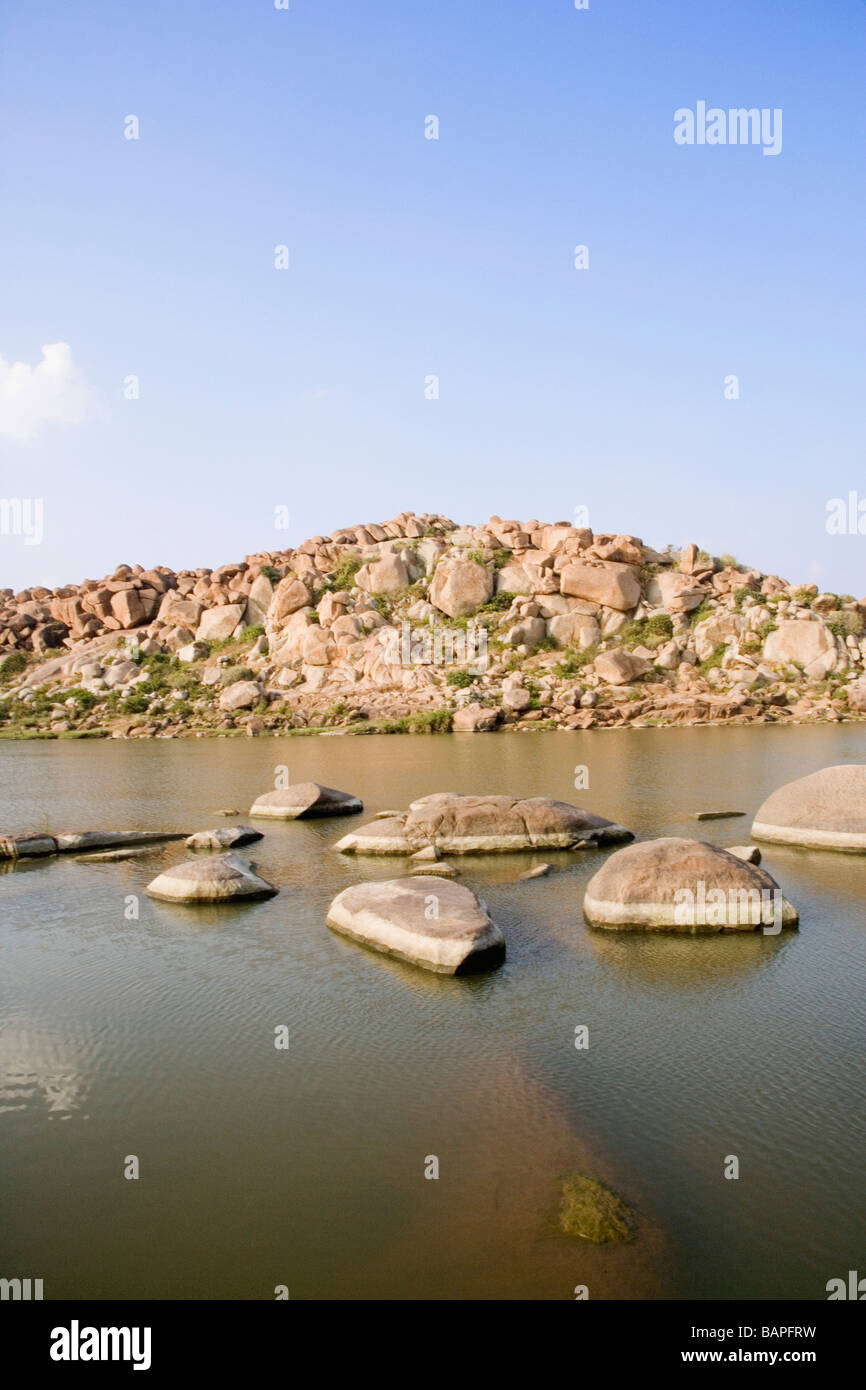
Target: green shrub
(84,699)
(715,660)
(500,603)
(431,721)
(270,573)
(703,611)
(650,632)
(238,673)
(252,633)
(11,666)
(846,623)
(461,680)
(574,660)
(343,576)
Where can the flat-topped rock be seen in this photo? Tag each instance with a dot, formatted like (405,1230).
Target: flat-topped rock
(112,839)
(304,800)
(230,838)
(674,884)
(455,824)
(114,856)
(425,920)
(36,846)
(218,878)
(826,810)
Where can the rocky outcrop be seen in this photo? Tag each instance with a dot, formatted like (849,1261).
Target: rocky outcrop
(826,810)
(674,884)
(304,801)
(427,921)
(420,624)
(453,824)
(460,587)
(611,585)
(213,879)
(806,644)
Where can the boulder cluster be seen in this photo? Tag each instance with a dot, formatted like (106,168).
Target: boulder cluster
(664,884)
(419,624)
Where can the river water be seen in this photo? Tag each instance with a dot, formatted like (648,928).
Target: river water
(305,1167)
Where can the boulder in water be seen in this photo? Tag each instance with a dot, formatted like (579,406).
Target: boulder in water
(425,920)
(217,878)
(674,884)
(304,800)
(455,824)
(826,810)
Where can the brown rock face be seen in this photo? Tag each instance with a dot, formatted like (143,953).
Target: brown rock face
(807,644)
(612,585)
(475,719)
(127,608)
(619,667)
(625,549)
(291,594)
(460,587)
(387,575)
(175,611)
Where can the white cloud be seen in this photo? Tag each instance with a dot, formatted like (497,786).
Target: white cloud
(52,392)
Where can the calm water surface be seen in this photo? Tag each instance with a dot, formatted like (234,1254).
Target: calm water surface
(306,1168)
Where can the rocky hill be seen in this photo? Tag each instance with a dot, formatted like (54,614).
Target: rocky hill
(419,624)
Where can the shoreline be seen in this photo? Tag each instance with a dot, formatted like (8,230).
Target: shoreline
(386,728)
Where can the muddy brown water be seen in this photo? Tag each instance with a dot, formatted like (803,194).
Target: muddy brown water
(305,1167)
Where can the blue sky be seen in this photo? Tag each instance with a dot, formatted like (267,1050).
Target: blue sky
(304,388)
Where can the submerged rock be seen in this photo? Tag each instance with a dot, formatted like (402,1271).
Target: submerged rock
(826,810)
(27,846)
(539,871)
(230,838)
(674,884)
(424,920)
(591,1211)
(455,824)
(305,800)
(112,856)
(218,878)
